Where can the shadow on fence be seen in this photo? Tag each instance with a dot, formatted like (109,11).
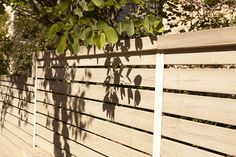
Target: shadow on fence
(65,96)
(16,97)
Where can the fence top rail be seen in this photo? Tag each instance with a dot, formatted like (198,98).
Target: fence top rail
(205,38)
(212,38)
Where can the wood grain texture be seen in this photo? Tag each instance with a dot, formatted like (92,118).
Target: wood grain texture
(99,144)
(204,38)
(29,81)
(124,59)
(69,146)
(214,109)
(26,149)
(119,114)
(124,135)
(17,93)
(137,45)
(21,104)
(203,80)
(51,148)
(8,149)
(21,124)
(222,57)
(174,149)
(118,76)
(126,96)
(23,115)
(204,135)
(18,85)
(21,134)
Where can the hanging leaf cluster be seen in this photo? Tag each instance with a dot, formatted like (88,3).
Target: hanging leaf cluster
(72,23)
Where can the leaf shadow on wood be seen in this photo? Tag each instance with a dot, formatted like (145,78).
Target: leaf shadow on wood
(16,104)
(118,82)
(64,107)
(66,93)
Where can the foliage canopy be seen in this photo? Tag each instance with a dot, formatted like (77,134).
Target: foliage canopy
(71,23)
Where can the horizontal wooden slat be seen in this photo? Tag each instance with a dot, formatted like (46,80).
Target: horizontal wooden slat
(118,76)
(123,115)
(121,60)
(18,85)
(174,149)
(204,80)
(221,109)
(22,135)
(19,148)
(66,144)
(222,57)
(126,96)
(50,148)
(17,93)
(204,135)
(203,38)
(21,104)
(26,148)
(8,149)
(123,46)
(125,135)
(92,141)
(23,115)
(17,79)
(23,125)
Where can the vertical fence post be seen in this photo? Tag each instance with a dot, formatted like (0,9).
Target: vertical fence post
(158,104)
(35,98)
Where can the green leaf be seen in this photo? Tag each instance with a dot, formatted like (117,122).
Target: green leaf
(101,25)
(146,23)
(156,23)
(109,31)
(84,5)
(68,27)
(152,20)
(93,22)
(61,43)
(72,20)
(111,34)
(89,38)
(129,28)
(91,6)
(99,40)
(98,2)
(57,27)
(139,2)
(122,3)
(138,22)
(76,30)
(63,6)
(109,3)
(160,27)
(117,6)
(78,12)
(84,21)
(119,28)
(73,44)
(84,33)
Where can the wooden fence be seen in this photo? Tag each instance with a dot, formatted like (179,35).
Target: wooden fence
(102,102)
(16,107)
